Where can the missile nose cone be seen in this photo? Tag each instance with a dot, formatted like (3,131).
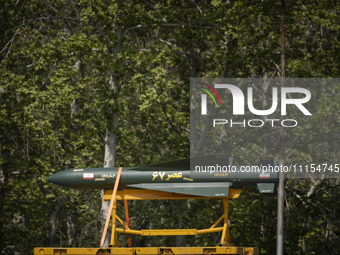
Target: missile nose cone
(50,178)
(57,179)
(65,178)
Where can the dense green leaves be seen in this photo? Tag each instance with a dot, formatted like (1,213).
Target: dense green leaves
(58,60)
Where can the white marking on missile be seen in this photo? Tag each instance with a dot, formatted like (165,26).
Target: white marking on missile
(108,175)
(264,175)
(219,195)
(88,175)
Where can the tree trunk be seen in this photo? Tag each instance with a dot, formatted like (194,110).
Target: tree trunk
(110,149)
(281,191)
(53,220)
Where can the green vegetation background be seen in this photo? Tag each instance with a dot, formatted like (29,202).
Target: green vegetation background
(58,62)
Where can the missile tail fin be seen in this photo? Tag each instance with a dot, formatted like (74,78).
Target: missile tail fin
(266,188)
(202,189)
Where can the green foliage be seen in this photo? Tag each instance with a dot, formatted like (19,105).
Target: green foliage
(56,103)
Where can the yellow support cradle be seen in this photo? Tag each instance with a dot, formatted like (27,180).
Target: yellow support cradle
(137,194)
(223,248)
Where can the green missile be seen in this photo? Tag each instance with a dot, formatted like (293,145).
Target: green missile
(174,177)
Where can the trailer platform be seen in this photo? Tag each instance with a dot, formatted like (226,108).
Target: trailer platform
(147,250)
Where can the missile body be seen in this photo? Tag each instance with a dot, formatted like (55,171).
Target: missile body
(168,179)
(104,178)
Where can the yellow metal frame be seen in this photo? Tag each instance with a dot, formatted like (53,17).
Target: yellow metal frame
(218,250)
(114,195)
(137,194)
